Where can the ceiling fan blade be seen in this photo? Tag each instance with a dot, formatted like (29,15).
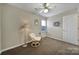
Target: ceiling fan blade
(41,11)
(51,10)
(47,4)
(50,7)
(39,8)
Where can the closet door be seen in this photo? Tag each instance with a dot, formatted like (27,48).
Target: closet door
(70,28)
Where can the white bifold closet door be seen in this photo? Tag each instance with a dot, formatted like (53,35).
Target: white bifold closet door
(70,29)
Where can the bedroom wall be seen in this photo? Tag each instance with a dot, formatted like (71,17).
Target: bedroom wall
(78,26)
(57,32)
(53,31)
(0,24)
(12,18)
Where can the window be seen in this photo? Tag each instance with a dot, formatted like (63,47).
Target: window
(43,23)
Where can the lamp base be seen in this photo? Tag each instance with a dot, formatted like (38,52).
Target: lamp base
(25,45)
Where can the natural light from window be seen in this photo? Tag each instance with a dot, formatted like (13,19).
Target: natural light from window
(43,23)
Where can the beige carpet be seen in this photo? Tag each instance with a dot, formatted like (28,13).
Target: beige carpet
(48,46)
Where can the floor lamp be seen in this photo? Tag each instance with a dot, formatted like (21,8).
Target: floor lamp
(25,29)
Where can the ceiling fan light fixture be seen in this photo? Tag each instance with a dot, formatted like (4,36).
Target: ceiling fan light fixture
(47,4)
(45,10)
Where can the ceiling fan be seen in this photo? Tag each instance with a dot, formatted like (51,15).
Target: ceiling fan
(45,7)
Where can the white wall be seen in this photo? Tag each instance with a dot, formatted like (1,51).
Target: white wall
(78,26)
(53,31)
(58,32)
(12,17)
(0,25)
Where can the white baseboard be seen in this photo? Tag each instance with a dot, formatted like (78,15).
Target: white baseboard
(56,38)
(63,40)
(11,48)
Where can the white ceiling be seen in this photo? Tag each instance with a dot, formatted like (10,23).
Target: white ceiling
(60,7)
